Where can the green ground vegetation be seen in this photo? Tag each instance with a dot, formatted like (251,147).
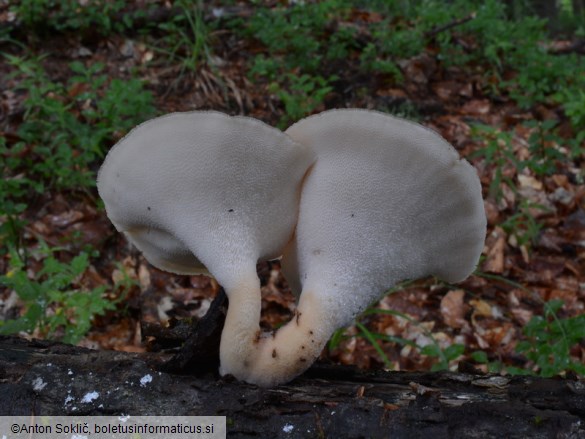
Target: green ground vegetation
(308,55)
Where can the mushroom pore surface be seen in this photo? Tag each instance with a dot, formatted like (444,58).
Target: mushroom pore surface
(386,200)
(205,189)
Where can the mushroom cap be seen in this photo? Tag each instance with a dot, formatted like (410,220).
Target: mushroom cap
(206,189)
(386,200)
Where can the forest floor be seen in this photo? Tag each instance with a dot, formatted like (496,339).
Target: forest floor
(535,246)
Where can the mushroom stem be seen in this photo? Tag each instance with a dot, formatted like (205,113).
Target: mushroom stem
(268,359)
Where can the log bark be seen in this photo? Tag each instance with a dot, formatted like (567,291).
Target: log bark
(48,378)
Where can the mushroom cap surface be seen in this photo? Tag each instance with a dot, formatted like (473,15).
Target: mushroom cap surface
(386,200)
(204,188)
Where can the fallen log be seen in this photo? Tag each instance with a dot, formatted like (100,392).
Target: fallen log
(49,378)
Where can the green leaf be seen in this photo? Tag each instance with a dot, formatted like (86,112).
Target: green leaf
(479,357)
(454,351)
(432,350)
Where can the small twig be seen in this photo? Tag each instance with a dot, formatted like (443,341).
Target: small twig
(437,30)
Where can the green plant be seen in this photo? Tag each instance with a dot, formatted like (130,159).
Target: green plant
(549,339)
(405,110)
(56,303)
(533,73)
(571,17)
(265,67)
(300,43)
(543,159)
(496,151)
(522,224)
(573,101)
(12,192)
(371,60)
(391,41)
(66,128)
(576,148)
(505,43)
(71,15)
(549,342)
(298,35)
(507,50)
(443,356)
(545,155)
(305,93)
(373,340)
(187,36)
(10,187)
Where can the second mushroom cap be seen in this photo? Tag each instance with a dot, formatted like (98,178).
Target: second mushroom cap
(387,200)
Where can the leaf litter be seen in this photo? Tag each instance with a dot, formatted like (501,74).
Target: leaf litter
(523,266)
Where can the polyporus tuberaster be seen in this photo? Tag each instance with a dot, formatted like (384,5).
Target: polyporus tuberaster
(385,200)
(205,190)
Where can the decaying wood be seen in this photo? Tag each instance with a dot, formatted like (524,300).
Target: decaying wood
(49,378)
(200,351)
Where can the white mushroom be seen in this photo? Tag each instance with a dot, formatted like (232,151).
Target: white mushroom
(387,200)
(204,188)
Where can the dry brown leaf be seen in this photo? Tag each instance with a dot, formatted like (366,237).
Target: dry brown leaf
(529,181)
(126,270)
(500,335)
(496,244)
(396,93)
(447,89)
(481,308)
(522,315)
(562,196)
(561,180)
(551,241)
(453,309)
(143,277)
(540,204)
(419,68)
(492,212)
(477,107)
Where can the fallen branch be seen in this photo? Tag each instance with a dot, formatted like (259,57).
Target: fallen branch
(46,378)
(437,30)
